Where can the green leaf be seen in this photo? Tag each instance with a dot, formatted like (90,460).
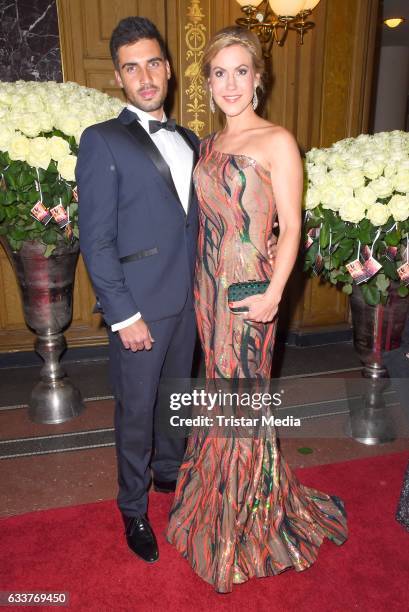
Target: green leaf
(324,236)
(393,238)
(344,251)
(52,168)
(364,235)
(403,291)
(389,268)
(347,288)
(50,236)
(12,181)
(371,294)
(49,249)
(15,244)
(10,198)
(382,282)
(11,212)
(2,214)
(24,180)
(17,234)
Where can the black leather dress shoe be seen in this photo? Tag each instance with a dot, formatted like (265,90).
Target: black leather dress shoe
(164,486)
(140,537)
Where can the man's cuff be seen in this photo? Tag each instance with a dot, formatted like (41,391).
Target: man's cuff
(122,324)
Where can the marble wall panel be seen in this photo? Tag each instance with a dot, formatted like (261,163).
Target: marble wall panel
(29,41)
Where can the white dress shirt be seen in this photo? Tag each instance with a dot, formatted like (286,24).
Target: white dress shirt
(179,157)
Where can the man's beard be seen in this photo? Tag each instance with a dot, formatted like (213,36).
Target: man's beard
(148,106)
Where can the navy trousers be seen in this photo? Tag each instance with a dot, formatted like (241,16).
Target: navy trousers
(136,378)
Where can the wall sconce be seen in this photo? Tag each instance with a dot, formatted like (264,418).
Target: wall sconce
(394,22)
(268,17)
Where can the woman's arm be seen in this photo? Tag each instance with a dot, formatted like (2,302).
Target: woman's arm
(287,180)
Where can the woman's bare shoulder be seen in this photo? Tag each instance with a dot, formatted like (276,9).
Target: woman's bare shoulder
(280,145)
(277,134)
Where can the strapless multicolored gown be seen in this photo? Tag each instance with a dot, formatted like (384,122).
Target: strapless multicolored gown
(239,512)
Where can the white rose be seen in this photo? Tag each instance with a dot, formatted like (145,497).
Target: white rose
(19,148)
(382,187)
(55,107)
(373,169)
(78,135)
(355,178)
(66,167)
(14,119)
(401,181)
(389,171)
(399,207)
(343,193)
(59,148)
(328,193)
(317,155)
(338,177)
(354,161)
(38,154)
(88,118)
(352,210)
(332,196)
(6,136)
(366,195)
(69,124)
(378,214)
(33,103)
(336,161)
(5,97)
(362,138)
(46,121)
(29,125)
(316,174)
(311,198)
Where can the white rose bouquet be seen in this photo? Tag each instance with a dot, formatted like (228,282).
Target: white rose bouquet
(357,214)
(40,129)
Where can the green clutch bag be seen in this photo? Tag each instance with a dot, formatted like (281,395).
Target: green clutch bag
(239,291)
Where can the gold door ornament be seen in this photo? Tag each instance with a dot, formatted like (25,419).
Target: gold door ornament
(195,41)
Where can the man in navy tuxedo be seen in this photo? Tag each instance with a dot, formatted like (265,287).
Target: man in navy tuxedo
(138,230)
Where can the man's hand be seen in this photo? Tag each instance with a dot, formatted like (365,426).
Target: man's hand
(136,336)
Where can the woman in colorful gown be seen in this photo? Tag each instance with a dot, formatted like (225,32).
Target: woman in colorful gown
(239,512)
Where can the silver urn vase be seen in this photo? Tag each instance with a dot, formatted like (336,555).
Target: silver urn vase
(46,286)
(376,329)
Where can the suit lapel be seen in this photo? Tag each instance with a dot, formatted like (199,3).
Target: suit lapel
(151,150)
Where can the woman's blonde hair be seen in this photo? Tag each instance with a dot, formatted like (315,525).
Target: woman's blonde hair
(234,35)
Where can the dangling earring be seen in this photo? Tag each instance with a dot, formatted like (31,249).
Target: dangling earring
(255,99)
(211,103)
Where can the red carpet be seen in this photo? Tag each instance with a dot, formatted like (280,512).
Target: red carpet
(80,550)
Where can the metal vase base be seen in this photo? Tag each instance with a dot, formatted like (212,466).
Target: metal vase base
(54,399)
(55,402)
(370,421)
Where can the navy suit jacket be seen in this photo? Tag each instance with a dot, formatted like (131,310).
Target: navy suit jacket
(138,243)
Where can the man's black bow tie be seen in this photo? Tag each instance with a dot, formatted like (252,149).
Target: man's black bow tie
(155,126)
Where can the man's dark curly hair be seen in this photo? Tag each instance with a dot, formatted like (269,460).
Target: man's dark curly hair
(131,30)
